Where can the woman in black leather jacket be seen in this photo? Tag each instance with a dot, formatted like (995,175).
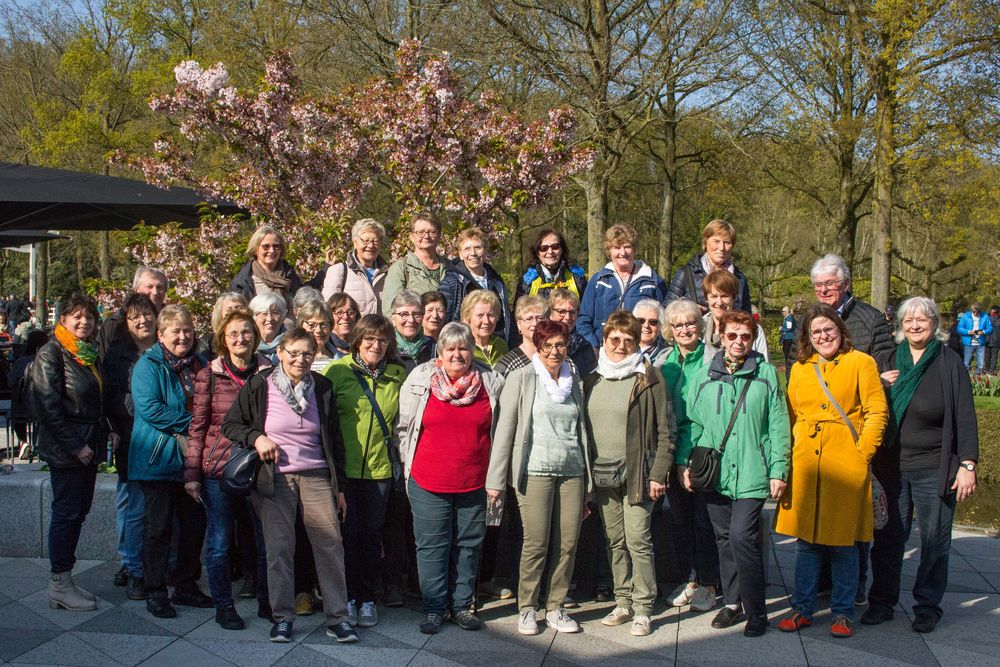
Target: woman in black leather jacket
(65,398)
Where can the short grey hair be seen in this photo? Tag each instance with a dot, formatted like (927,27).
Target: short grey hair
(830,263)
(147,270)
(649,304)
(368,224)
(923,306)
(265,303)
(407,298)
(304,296)
(677,309)
(221,302)
(453,334)
(314,308)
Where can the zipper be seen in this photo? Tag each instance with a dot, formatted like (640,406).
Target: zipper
(154,457)
(211,453)
(371,425)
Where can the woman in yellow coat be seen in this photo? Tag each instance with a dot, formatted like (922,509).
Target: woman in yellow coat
(828,502)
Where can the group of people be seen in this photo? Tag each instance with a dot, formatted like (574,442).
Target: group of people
(413,423)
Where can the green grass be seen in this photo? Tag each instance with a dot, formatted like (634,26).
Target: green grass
(988,402)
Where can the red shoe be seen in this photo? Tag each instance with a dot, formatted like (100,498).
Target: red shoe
(794,622)
(842,627)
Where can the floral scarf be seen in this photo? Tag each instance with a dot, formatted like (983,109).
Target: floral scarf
(733,365)
(460,392)
(374,373)
(559,390)
(296,396)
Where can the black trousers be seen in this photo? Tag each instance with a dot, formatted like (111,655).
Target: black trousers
(164,501)
(741,559)
(399,548)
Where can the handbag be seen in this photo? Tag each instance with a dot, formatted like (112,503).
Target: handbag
(397,465)
(705,463)
(880,503)
(241,472)
(608,473)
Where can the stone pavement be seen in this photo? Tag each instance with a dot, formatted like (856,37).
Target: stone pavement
(121,632)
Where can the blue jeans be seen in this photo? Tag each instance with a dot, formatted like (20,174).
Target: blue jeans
(220,509)
(913,490)
(449,529)
(129,508)
(844,568)
(72,496)
(367,500)
(697,554)
(980,353)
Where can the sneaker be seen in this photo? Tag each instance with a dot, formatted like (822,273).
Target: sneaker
(491,589)
(229,619)
(641,626)
(727,617)
(191,598)
(617,616)
(603,594)
(121,576)
(368,618)
(393,597)
(352,613)
(924,623)
(466,620)
(703,599)
(431,623)
(794,622)
(682,595)
(756,626)
(303,604)
(249,588)
(342,632)
(159,606)
(136,589)
(281,632)
(570,603)
(527,622)
(264,611)
(842,627)
(560,621)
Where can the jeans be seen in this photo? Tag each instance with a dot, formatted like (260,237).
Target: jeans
(449,529)
(367,500)
(72,496)
(129,511)
(913,490)
(164,502)
(693,535)
(979,351)
(220,509)
(844,564)
(741,559)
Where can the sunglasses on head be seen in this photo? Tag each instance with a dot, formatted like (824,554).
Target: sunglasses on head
(732,335)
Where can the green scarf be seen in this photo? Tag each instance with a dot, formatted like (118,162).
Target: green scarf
(410,348)
(910,375)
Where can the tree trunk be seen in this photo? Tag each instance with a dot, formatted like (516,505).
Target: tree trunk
(847,219)
(595,186)
(885,152)
(104,254)
(666,250)
(78,242)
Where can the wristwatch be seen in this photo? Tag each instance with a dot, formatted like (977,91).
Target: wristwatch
(971,467)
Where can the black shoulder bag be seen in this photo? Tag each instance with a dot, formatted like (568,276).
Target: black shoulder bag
(397,465)
(705,463)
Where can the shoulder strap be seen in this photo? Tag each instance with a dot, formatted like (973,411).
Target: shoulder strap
(736,412)
(375,408)
(692,290)
(833,401)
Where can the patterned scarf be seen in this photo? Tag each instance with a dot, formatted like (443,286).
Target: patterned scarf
(373,373)
(732,365)
(460,392)
(184,367)
(296,396)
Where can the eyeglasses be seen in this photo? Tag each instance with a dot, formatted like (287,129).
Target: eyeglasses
(374,340)
(309,325)
(551,246)
(563,312)
(548,347)
(425,232)
(619,341)
(368,242)
(293,355)
(530,318)
(346,313)
(828,285)
(652,323)
(680,326)
(135,317)
(236,335)
(270,246)
(409,316)
(732,335)
(828,332)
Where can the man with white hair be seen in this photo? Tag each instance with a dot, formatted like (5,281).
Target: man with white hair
(147,280)
(870,332)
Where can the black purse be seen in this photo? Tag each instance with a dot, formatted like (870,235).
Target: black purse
(242,471)
(705,463)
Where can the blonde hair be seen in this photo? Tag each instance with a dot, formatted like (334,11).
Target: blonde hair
(311,309)
(618,235)
(471,233)
(220,305)
(717,227)
(258,236)
(677,309)
(531,302)
(477,297)
(173,313)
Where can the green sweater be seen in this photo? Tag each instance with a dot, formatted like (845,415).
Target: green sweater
(680,375)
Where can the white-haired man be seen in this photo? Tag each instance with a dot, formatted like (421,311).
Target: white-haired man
(147,280)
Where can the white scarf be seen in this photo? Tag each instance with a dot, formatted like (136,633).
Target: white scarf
(559,390)
(619,370)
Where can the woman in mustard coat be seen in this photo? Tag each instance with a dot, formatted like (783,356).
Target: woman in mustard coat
(828,502)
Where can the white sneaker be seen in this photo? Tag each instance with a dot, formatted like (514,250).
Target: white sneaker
(560,621)
(527,622)
(352,613)
(703,599)
(641,626)
(369,616)
(617,616)
(682,595)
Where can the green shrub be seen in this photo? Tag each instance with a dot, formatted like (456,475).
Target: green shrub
(988,417)
(987,384)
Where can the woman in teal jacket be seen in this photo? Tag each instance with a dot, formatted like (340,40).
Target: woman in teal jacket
(162,396)
(370,460)
(754,464)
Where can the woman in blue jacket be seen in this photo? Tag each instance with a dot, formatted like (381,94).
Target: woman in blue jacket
(620,285)
(162,395)
(471,272)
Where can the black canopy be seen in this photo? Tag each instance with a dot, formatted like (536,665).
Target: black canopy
(13,238)
(43,198)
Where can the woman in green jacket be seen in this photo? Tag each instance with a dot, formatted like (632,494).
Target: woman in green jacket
(684,327)
(370,373)
(754,464)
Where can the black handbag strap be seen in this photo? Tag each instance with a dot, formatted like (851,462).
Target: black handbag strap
(736,411)
(375,408)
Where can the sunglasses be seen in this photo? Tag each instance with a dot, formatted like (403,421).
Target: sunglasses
(652,323)
(732,335)
(552,246)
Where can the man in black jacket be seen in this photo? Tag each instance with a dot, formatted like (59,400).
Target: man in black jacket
(147,280)
(993,342)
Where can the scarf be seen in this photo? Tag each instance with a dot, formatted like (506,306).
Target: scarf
(82,352)
(732,365)
(270,350)
(410,348)
(275,280)
(559,390)
(342,345)
(240,376)
(373,373)
(296,396)
(910,375)
(183,366)
(460,392)
(619,370)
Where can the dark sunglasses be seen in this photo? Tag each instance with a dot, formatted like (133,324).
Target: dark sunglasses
(732,335)
(546,248)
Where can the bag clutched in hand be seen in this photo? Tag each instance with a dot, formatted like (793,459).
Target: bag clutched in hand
(705,463)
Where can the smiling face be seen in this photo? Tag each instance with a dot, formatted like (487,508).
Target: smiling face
(456,360)
(472,254)
(718,303)
(685,332)
(177,337)
(424,236)
(527,322)
(407,320)
(649,320)
(141,325)
(618,345)
(622,257)
(79,322)
(372,348)
(553,353)
(830,289)
(239,339)
(367,245)
(825,337)
(268,324)
(154,287)
(483,320)
(719,249)
(550,252)
(344,319)
(918,328)
(296,358)
(434,319)
(736,341)
(319,327)
(565,313)
(269,251)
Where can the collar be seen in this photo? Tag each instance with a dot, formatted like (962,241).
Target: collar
(717,369)
(641,270)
